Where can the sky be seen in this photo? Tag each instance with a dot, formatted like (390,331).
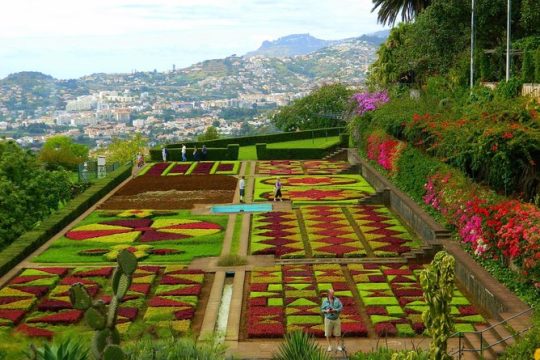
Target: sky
(72,38)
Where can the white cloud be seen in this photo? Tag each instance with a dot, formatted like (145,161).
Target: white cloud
(39,34)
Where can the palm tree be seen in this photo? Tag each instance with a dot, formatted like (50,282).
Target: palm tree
(390,9)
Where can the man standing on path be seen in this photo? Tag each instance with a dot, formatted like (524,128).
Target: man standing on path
(277,191)
(164,153)
(242,187)
(331,308)
(184,158)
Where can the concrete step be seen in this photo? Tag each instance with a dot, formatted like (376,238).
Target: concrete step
(490,339)
(502,332)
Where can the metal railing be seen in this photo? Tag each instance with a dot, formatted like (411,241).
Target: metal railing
(90,170)
(460,335)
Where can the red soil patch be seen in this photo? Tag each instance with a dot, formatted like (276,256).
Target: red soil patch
(172,192)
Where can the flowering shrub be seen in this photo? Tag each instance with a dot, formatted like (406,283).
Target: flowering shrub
(370,101)
(385,150)
(491,225)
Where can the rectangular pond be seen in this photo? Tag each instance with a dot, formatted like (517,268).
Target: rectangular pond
(241,208)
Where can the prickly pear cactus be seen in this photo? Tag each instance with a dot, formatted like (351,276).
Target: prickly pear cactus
(438,281)
(102,318)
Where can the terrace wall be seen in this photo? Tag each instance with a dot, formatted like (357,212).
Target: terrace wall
(487,292)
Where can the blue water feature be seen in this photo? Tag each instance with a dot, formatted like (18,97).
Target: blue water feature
(241,208)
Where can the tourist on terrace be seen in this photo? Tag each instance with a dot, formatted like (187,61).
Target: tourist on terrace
(195,154)
(331,308)
(277,190)
(184,150)
(204,152)
(164,153)
(242,187)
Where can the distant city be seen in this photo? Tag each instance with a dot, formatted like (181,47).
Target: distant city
(236,95)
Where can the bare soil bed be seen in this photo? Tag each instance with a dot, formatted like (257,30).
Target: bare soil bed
(166,192)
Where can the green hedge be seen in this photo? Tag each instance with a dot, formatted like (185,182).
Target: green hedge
(230,152)
(265,153)
(268,139)
(32,240)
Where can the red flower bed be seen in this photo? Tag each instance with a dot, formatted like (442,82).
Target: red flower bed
(354,329)
(157,169)
(53,305)
(130,223)
(225,167)
(12,315)
(189,290)
(38,291)
(98,272)
(385,329)
(376,310)
(273,330)
(151,235)
(202,168)
(158,301)
(184,314)
(164,251)
(64,317)
(34,332)
(26,279)
(180,169)
(128,312)
(141,288)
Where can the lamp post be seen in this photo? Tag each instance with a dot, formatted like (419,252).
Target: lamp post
(508,15)
(472,45)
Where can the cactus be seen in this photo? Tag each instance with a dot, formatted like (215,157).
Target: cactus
(102,318)
(437,281)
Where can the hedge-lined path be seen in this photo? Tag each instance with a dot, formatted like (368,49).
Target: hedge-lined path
(27,261)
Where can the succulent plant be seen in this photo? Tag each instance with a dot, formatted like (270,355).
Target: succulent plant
(102,318)
(438,281)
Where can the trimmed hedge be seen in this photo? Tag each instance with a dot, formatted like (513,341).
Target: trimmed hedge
(33,239)
(175,154)
(264,153)
(259,139)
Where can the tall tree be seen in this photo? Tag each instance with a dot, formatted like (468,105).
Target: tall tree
(124,150)
(211,133)
(61,151)
(322,108)
(28,192)
(389,10)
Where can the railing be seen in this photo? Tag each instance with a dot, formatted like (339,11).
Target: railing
(90,170)
(461,349)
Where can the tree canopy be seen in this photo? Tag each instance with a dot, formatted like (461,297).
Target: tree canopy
(322,108)
(211,133)
(28,192)
(125,150)
(61,151)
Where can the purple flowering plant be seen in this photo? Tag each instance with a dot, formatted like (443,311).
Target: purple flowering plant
(370,101)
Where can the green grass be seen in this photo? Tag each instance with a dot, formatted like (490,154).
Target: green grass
(64,250)
(237,233)
(250,152)
(306,143)
(247,153)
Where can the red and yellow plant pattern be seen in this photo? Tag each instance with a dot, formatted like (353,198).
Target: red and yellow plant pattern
(280,167)
(384,233)
(330,234)
(276,233)
(323,167)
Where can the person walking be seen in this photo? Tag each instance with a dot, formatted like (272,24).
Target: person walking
(184,150)
(242,187)
(277,190)
(204,152)
(195,154)
(331,308)
(164,153)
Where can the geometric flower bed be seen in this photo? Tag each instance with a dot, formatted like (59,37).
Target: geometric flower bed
(191,168)
(276,233)
(175,300)
(384,233)
(294,167)
(343,188)
(394,302)
(325,167)
(164,236)
(36,302)
(330,234)
(279,167)
(287,298)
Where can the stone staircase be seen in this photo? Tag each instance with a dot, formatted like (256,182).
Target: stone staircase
(493,337)
(338,154)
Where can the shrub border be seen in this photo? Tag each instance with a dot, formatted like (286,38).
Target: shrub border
(31,240)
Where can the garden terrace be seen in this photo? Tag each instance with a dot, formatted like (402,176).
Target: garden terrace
(162,301)
(191,168)
(379,300)
(168,192)
(162,236)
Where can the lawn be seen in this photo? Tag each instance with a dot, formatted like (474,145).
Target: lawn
(153,236)
(250,152)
